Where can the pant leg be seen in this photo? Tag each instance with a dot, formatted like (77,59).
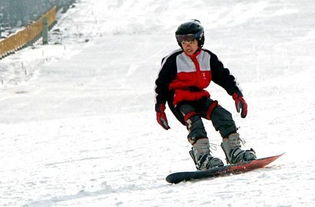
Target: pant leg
(194,123)
(221,118)
(223,122)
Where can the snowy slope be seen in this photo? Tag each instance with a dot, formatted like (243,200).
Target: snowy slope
(77,120)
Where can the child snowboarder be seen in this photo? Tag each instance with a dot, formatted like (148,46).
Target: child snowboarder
(181,83)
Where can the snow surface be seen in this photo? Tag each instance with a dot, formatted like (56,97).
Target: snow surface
(77,119)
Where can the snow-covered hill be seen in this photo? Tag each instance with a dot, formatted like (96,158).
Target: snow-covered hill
(77,120)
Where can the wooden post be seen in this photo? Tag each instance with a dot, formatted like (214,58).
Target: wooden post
(45,31)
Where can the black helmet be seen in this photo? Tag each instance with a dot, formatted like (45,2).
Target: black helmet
(189,31)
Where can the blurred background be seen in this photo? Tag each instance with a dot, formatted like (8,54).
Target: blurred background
(17,13)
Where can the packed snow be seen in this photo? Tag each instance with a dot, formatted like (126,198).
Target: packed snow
(77,119)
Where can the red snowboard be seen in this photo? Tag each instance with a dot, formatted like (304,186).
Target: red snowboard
(221,171)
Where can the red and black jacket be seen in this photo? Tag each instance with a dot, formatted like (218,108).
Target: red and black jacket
(184,78)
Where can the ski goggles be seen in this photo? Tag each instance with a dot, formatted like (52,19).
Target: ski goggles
(188,37)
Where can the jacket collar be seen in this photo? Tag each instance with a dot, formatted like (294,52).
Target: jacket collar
(195,54)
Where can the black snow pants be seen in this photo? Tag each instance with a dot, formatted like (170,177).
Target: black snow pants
(193,112)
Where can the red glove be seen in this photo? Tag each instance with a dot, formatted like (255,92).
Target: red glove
(240,104)
(161,116)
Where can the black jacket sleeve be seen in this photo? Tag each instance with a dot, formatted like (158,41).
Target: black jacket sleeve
(167,74)
(223,77)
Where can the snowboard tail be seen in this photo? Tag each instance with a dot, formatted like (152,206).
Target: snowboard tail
(221,171)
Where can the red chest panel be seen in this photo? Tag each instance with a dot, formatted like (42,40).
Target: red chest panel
(192,71)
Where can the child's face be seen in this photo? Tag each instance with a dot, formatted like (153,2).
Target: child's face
(190,47)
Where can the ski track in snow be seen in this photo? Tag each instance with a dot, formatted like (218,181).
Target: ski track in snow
(77,122)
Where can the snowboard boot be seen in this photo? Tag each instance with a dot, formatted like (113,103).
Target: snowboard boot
(200,153)
(233,152)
